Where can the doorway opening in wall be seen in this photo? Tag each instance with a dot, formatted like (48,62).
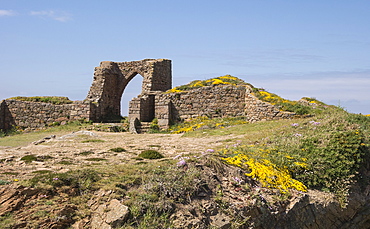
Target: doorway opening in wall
(133,89)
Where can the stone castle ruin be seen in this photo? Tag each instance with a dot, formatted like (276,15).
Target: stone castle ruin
(103,101)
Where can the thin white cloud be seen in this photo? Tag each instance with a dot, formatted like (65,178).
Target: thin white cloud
(58,16)
(7,13)
(327,89)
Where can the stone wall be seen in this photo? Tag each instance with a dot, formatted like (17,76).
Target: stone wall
(213,101)
(142,108)
(258,110)
(33,115)
(2,115)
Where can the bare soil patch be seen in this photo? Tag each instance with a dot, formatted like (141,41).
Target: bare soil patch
(84,148)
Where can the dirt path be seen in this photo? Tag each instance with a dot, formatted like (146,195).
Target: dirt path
(70,151)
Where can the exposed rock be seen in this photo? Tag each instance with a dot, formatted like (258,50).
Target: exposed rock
(187,220)
(45,139)
(221,221)
(12,199)
(110,215)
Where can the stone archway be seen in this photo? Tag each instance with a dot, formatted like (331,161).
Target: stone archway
(111,79)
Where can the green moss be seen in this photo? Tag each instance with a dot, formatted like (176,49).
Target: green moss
(151,154)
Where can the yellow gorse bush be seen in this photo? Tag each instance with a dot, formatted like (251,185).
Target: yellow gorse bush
(273,98)
(201,121)
(222,80)
(269,174)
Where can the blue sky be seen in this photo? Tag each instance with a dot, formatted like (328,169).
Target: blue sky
(292,48)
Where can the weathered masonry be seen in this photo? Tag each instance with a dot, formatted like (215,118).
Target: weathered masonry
(103,101)
(111,79)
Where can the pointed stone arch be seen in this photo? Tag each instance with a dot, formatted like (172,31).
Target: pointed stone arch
(111,79)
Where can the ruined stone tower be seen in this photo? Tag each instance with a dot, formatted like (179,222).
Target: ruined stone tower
(111,79)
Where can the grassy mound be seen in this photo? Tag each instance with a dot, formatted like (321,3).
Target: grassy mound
(222,80)
(326,152)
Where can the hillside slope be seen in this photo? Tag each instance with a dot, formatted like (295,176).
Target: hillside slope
(307,172)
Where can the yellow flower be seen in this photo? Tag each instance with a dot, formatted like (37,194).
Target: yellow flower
(267,173)
(198,84)
(301,164)
(217,81)
(174,90)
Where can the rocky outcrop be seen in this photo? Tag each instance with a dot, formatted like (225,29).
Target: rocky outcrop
(12,199)
(21,203)
(235,208)
(109,215)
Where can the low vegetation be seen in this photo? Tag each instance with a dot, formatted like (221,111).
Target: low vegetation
(151,154)
(222,80)
(57,100)
(118,150)
(328,149)
(325,151)
(17,138)
(204,122)
(297,107)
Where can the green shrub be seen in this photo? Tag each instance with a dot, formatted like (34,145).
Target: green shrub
(151,154)
(29,158)
(329,151)
(118,150)
(154,127)
(332,166)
